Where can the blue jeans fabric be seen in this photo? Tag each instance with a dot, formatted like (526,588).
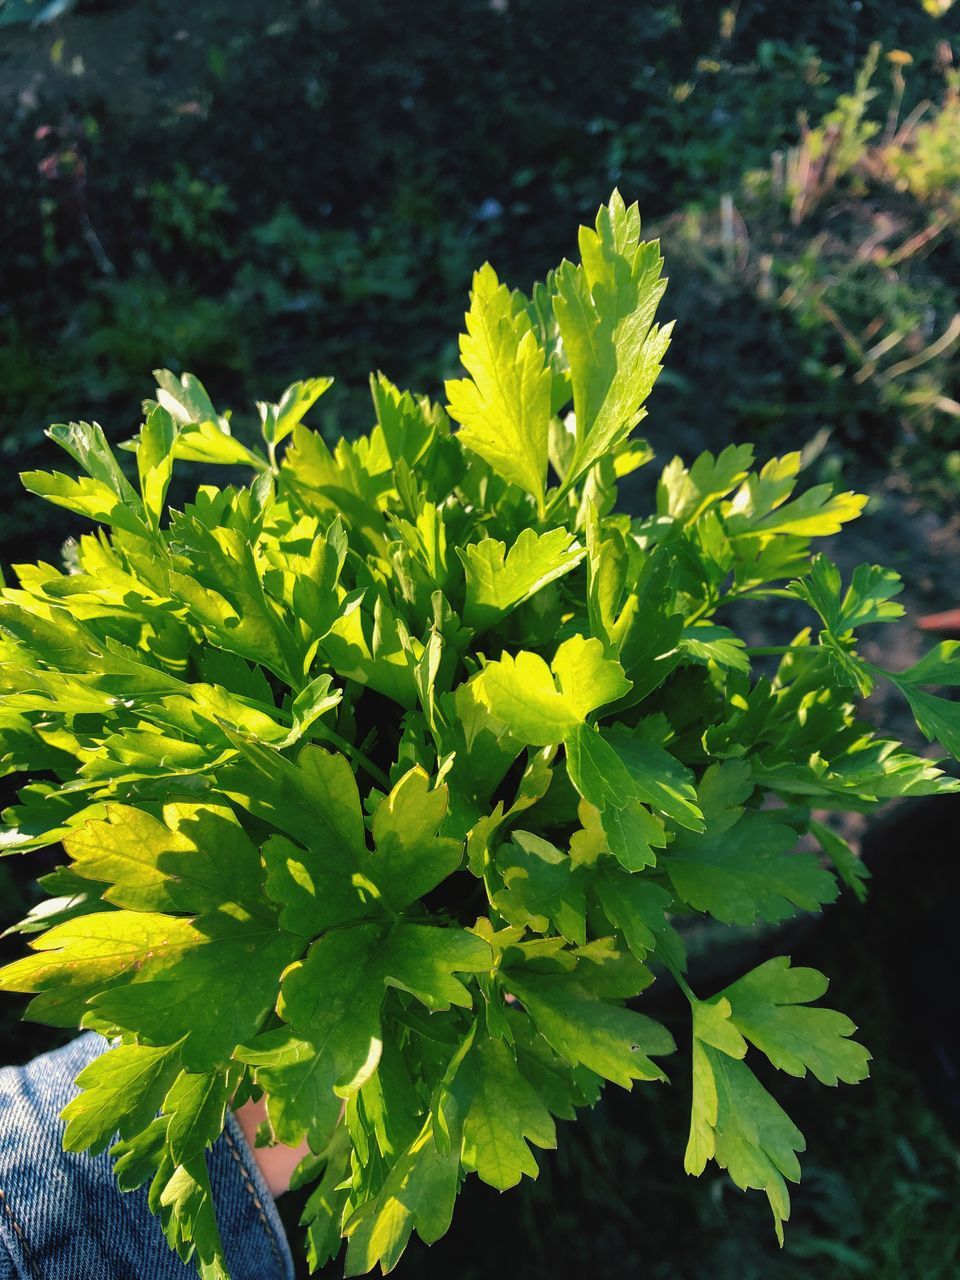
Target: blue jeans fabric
(62,1217)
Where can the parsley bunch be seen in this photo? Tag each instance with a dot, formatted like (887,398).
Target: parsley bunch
(391,779)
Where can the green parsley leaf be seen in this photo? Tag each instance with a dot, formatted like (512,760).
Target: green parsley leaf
(605,309)
(122,1091)
(502,1112)
(498,580)
(522,691)
(737,1123)
(418,1195)
(686,494)
(768,1008)
(611,1040)
(504,405)
(747,872)
(617,773)
(333,1001)
(541,887)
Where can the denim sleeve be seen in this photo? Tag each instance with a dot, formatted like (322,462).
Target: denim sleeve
(63,1218)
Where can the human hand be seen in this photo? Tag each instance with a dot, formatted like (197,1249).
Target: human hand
(275,1163)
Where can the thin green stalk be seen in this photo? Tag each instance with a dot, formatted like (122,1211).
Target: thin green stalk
(354,754)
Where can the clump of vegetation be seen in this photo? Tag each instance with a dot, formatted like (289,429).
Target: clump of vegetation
(849,243)
(391,779)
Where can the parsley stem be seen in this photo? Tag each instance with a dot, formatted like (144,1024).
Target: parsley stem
(746,593)
(348,749)
(561,494)
(680,980)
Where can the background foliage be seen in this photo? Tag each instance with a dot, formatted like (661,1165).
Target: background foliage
(263,191)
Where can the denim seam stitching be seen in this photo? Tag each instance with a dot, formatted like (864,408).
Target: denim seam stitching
(27,1251)
(252,1192)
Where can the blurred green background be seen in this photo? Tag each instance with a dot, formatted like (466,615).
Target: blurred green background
(261,190)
